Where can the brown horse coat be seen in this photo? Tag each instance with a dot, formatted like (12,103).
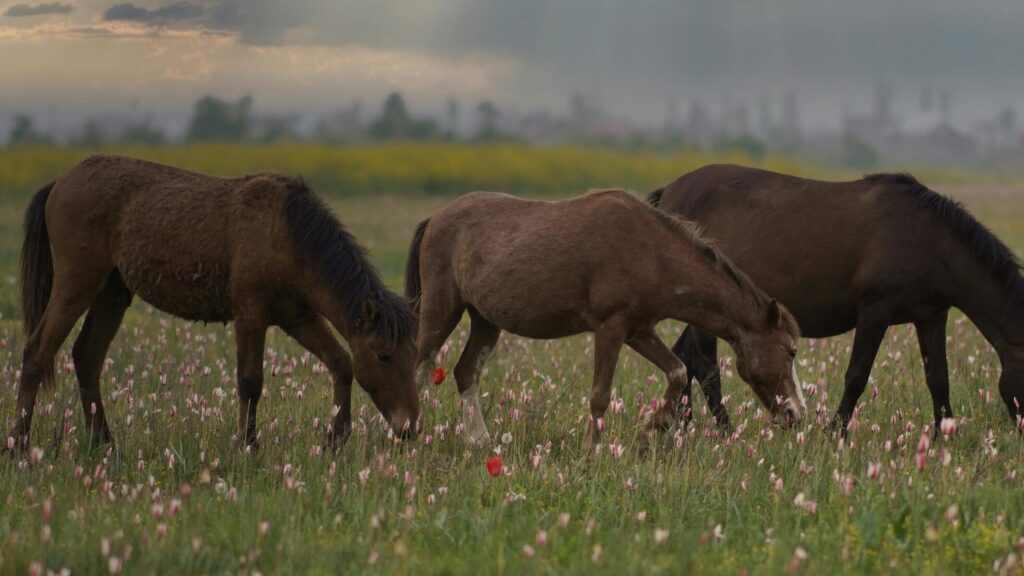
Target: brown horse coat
(260,250)
(604,262)
(864,254)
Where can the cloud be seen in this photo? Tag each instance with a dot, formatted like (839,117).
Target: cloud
(128,12)
(45,9)
(109,30)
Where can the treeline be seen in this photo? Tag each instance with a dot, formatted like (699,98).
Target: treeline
(217,120)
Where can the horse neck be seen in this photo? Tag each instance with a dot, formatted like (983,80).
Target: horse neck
(991,308)
(707,297)
(329,305)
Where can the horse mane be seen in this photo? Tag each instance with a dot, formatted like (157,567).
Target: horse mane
(1003,264)
(341,263)
(691,232)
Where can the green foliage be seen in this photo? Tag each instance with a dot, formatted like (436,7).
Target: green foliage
(395,123)
(217,120)
(402,167)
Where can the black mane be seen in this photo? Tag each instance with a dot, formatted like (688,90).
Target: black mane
(983,244)
(692,233)
(342,264)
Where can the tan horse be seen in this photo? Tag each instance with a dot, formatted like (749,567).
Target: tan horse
(607,263)
(260,251)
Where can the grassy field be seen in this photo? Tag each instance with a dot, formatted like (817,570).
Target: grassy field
(175,495)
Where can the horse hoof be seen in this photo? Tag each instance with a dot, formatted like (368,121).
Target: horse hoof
(478,439)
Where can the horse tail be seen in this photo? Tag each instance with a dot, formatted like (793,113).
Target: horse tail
(654,198)
(36,269)
(413,282)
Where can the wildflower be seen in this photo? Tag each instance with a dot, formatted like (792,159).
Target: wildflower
(948,427)
(541,538)
(506,438)
(874,470)
(495,465)
(438,375)
(528,551)
(563,520)
(660,536)
(953,514)
(616,450)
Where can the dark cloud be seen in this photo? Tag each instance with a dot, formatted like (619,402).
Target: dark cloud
(128,12)
(22,10)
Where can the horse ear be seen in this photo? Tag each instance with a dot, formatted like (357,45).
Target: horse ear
(774,314)
(367,315)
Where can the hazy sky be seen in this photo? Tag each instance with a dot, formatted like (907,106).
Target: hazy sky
(70,58)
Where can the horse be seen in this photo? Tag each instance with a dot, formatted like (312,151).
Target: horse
(261,250)
(604,262)
(865,255)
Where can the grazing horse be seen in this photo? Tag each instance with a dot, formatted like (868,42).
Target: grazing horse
(606,263)
(865,254)
(261,251)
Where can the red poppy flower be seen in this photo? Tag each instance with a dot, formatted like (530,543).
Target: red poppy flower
(438,375)
(494,465)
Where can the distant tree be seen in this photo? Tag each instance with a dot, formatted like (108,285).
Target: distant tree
(24,133)
(342,126)
(277,128)
(857,153)
(744,143)
(453,119)
(92,135)
(143,132)
(395,123)
(489,114)
(216,119)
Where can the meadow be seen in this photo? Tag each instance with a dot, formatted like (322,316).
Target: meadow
(175,495)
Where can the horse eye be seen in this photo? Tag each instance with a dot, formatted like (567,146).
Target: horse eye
(385,358)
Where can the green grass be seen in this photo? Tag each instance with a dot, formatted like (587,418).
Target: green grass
(726,503)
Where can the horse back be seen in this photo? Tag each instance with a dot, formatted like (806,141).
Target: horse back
(176,237)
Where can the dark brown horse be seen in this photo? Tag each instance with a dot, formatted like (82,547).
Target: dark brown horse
(606,263)
(260,251)
(865,254)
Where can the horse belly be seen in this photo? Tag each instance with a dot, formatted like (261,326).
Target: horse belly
(200,294)
(177,276)
(526,307)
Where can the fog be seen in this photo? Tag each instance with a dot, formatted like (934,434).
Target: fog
(645,61)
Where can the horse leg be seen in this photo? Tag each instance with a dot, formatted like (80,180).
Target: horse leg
(676,401)
(867,338)
(698,349)
(90,350)
(66,306)
(315,335)
(931,336)
(249,341)
(608,340)
(440,312)
(482,337)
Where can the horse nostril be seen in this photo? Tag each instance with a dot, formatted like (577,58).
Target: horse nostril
(793,413)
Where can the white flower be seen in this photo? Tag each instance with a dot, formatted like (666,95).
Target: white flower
(506,438)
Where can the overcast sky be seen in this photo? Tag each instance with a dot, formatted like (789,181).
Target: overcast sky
(70,58)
